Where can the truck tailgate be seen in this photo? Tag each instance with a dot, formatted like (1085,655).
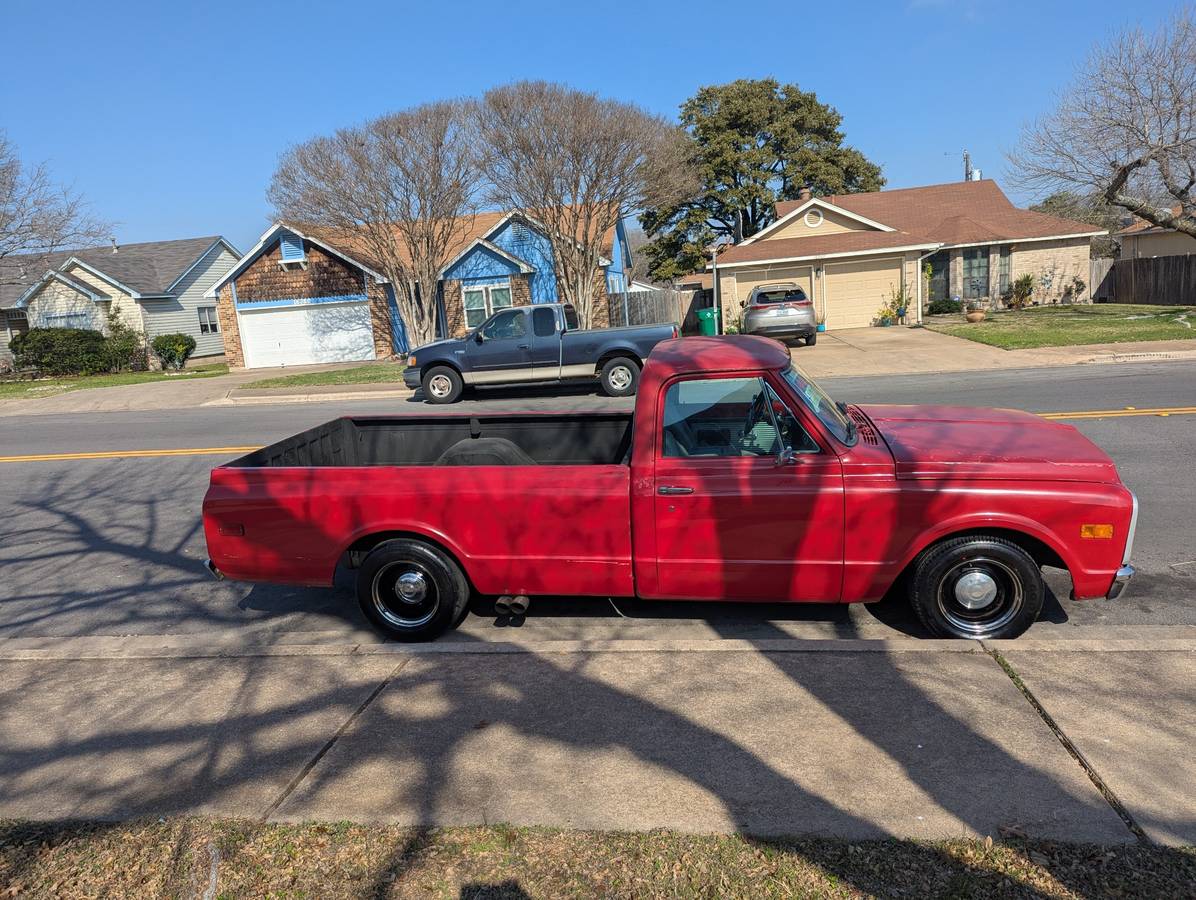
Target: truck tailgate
(515,529)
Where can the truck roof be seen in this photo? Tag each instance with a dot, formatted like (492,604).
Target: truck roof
(729,353)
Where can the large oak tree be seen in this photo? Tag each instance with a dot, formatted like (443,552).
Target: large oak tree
(752,142)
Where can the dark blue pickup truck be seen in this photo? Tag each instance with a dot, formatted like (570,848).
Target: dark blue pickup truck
(527,344)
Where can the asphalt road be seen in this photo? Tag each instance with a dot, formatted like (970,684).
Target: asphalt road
(114,546)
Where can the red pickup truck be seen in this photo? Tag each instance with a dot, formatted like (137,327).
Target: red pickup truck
(736,478)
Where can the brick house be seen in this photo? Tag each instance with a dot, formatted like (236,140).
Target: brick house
(302,297)
(851,252)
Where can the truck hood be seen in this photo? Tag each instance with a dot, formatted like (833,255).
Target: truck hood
(443,342)
(950,442)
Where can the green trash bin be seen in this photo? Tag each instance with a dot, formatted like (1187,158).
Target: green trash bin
(707,323)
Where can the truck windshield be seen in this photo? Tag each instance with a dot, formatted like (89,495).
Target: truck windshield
(820,404)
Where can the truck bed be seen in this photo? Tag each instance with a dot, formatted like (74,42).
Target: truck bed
(568,439)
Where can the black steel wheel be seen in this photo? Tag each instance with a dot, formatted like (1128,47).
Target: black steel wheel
(977,587)
(410,590)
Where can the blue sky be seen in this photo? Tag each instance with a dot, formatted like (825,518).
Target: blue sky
(170,117)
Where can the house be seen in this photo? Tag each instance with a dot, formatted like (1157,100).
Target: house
(303,296)
(1142,240)
(156,288)
(852,252)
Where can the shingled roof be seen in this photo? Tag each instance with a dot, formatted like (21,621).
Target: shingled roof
(148,269)
(961,212)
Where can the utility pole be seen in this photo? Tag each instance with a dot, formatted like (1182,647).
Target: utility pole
(967,166)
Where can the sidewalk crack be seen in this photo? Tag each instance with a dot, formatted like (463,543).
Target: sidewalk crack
(1093,776)
(294,783)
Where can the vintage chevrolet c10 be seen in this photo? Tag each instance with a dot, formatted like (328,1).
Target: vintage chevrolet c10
(736,478)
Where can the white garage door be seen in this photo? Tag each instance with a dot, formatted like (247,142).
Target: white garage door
(856,290)
(302,335)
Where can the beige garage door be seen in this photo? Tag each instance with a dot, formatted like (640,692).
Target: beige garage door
(856,290)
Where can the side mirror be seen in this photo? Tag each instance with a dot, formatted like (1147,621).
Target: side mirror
(787,457)
(477,336)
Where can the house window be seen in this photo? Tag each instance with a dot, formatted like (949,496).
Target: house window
(291,247)
(975,273)
(208,323)
(940,276)
(18,322)
(70,320)
(483,300)
(1003,268)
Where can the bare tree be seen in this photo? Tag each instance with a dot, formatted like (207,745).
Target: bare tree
(576,163)
(1126,127)
(38,217)
(401,189)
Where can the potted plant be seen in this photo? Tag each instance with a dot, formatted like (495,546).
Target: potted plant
(821,320)
(898,302)
(975,313)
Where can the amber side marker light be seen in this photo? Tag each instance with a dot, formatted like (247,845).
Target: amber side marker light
(1100,532)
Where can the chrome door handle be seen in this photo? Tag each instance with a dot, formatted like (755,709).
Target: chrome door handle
(671,489)
(525,346)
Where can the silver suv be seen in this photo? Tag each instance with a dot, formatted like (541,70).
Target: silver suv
(780,311)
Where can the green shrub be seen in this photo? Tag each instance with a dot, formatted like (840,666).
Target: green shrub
(173,350)
(126,346)
(944,306)
(61,351)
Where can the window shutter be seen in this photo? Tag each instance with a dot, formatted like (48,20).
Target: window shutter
(292,247)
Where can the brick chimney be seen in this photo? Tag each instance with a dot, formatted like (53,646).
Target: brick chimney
(804,194)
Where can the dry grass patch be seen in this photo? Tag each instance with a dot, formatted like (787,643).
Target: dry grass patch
(231,858)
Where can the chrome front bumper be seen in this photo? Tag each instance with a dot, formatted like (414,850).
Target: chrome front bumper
(1120,580)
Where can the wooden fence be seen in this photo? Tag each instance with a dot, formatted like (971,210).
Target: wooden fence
(658,307)
(1162,280)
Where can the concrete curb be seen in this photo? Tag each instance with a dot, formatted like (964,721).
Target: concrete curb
(235,398)
(309,644)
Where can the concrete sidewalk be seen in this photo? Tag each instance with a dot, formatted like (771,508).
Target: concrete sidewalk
(921,739)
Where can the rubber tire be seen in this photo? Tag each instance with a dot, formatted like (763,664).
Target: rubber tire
(454,394)
(450,582)
(934,563)
(811,340)
(612,364)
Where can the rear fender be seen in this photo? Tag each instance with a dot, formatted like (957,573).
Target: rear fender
(418,530)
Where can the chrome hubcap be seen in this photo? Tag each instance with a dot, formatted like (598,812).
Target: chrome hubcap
(979,596)
(440,386)
(411,588)
(405,594)
(975,590)
(620,378)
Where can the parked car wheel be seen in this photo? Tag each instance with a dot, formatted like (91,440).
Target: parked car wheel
(977,587)
(811,340)
(411,591)
(442,385)
(620,377)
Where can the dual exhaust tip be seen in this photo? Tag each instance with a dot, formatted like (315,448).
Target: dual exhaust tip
(507,605)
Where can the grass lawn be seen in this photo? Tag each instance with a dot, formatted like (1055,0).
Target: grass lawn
(1061,326)
(374,373)
(48,387)
(247,859)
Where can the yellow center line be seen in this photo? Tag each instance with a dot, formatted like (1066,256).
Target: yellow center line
(1121,413)
(121,454)
(230,451)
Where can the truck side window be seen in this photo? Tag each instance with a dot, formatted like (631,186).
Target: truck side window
(719,417)
(543,322)
(505,325)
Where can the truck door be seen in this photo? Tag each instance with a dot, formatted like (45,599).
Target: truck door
(546,344)
(748,506)
(501,349)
